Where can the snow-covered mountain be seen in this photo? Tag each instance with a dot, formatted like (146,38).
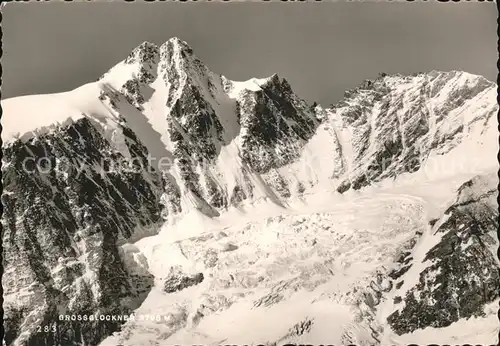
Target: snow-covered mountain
(165,188)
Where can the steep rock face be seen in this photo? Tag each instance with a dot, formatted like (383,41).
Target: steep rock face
(69,198)
(205,113)
(229,143)
(395,123)
(460,273)
(178,281)
(380,130)
(275,125)
(141,66)
(395,126)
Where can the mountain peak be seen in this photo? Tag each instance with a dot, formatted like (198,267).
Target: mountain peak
(175,44)
(455,82)
(150,52)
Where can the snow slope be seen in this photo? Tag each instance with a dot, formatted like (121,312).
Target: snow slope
(27,116)
(228,143)
(296,266)
(292,216)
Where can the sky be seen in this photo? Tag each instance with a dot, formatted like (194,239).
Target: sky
(321,48)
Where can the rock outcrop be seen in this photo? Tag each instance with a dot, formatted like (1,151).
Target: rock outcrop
(88,181)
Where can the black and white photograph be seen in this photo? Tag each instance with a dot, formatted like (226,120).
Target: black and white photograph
(249,173)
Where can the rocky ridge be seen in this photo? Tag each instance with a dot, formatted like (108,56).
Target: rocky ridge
(229,145)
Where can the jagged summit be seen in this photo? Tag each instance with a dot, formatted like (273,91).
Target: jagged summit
(179,45)
(148,52)
(162,142)
(145,52)
(234,88)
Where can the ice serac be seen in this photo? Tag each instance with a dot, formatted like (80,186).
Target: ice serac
(61,226)
(161,141)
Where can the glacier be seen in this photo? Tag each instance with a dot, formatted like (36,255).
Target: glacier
(271,221)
